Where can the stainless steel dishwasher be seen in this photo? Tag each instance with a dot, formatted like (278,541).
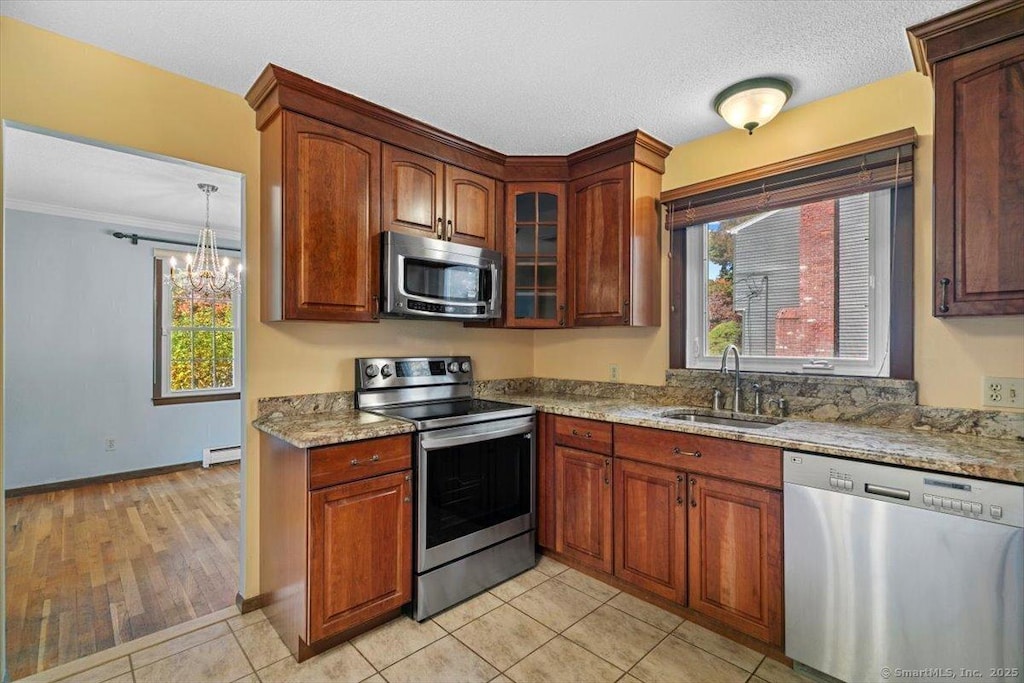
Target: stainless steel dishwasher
(895,573)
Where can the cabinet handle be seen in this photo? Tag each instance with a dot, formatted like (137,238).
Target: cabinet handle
(693,496)
(676,450)
(451,229)
(585,435)
(440,228)
(679,489)
(374,458)
(944,298)
(607,471)
(561,315)
(625,312)
(376,307)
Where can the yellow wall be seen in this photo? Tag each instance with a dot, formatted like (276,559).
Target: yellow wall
(950,356)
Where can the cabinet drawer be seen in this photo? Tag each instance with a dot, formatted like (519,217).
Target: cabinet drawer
(723,458)
(587,435)
(330,465)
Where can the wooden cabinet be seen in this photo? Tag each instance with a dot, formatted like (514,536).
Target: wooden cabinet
(976,57)
(535,255)
(583,485)
(546,494)
(735,555)
(360,552)
(335,538)
(423,196)
(320,200)
(650,528)
(615,247)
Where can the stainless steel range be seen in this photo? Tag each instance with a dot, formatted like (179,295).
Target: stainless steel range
(475,464)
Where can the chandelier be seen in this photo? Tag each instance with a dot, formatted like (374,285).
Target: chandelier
(205,274)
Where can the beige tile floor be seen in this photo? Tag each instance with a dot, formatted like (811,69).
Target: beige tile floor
(548,624)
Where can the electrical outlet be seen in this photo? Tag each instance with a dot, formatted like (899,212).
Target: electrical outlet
(613,373)
(111,444)
(1003,392)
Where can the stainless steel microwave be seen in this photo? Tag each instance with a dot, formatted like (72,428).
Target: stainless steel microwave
(432,278)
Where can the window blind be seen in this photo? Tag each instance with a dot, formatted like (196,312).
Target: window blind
(871,164)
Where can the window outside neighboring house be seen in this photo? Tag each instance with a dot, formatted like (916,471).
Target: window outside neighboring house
(795,289)
(197,340)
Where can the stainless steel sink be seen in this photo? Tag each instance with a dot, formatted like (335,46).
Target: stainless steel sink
(746,422)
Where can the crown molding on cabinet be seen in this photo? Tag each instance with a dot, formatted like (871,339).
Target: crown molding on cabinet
(964,30)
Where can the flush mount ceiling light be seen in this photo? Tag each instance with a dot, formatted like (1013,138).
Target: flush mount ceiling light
(752,103)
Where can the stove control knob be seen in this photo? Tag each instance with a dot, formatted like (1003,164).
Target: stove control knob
(372,370)
(465,366)
(385,370)
(453,366)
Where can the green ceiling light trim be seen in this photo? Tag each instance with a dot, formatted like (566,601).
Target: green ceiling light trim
(752,103)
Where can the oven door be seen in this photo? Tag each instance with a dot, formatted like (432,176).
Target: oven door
(475,488)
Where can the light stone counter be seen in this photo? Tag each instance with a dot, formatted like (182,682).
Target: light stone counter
(307,430)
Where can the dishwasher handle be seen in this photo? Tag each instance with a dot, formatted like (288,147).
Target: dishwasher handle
(887,491)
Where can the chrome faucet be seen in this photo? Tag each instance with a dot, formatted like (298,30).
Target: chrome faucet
(736,380)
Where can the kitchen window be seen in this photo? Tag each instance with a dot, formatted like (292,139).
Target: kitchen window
(196,341)
(806,271)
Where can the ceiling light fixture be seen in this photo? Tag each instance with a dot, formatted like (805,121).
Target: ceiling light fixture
(205,274)
(752,103)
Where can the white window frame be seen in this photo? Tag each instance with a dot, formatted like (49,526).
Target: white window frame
(164,332)
(880,269)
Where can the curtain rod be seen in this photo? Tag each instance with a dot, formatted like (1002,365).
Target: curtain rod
(135,237)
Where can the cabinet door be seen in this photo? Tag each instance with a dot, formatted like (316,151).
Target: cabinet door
(735,549)
(413,193)
(536,255)
(600,219)
(650,528)
(583,482)
(360,552)
(331,222)
(470,205)
(979,181)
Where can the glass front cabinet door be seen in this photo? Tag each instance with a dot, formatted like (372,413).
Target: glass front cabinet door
(536,263)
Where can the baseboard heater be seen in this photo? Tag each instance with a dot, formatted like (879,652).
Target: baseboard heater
(214,456)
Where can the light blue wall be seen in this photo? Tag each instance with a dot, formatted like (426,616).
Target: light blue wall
(78,354)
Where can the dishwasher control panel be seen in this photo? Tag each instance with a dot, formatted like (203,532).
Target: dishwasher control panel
(933,491)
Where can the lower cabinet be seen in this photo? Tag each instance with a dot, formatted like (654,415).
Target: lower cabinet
(735,572)
(650,528)
(360,563)
(583,507)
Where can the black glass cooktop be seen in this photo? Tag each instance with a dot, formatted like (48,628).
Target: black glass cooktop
(447,413)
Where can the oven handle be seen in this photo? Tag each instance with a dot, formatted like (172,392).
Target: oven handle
(430,442)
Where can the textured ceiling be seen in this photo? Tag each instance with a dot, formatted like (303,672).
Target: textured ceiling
(63,177)
(522,77)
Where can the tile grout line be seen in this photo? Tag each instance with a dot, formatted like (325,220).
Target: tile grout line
(673,634)
(244,653)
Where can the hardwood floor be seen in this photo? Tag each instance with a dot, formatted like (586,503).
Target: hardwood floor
(91,567)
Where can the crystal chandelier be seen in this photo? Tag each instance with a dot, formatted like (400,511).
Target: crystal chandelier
(204,273)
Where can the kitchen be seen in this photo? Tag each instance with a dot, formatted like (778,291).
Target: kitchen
(321,356)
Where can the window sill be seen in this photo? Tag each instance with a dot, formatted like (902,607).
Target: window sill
(196,398)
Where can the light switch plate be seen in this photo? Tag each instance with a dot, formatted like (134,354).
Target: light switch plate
(613,373)
(1002,392)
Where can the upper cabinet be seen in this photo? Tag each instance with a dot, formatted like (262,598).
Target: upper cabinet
(535,252)
(616,254)
(976,59)
(423,196)
(320,201)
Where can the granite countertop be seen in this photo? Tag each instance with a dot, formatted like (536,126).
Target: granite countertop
(973,456)
(329,427)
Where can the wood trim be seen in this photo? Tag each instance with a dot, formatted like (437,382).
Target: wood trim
(305,651)
(776,653)
(677,299)
(963,30)
(198,398)
(101,479)
(521,169)
(907,136)
(635,146)
(246,605)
